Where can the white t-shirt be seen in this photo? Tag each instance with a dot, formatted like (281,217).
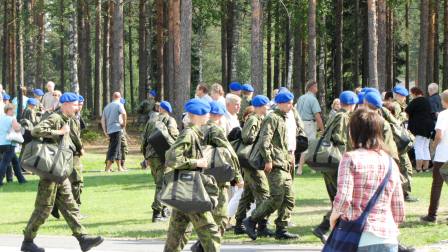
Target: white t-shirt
(442,149)
(231,122)
(291,131)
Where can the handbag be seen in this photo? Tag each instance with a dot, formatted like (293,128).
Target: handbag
(242,151)
(48,160)
(346,235)
(256,161)
(322,154)
(301,145)
(14,136)
(219,162)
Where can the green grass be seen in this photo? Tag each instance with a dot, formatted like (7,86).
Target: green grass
(118,205)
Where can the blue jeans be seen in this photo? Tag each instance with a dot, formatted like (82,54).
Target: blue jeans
(9,156)
(379,248)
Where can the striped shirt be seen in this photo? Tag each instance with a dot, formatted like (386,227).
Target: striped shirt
(360,174)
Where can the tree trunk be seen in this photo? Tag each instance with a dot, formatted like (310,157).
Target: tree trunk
(445,46)
(407,43)
(233,36)
(356,48)
(423,50)
(312,62)
(257,47)
(435,41)
(40,22)
(288,63)
(131,66)
(106,53)
(160,45)
(365,46)
(389,82)
(373,44)
(277,47)
(20,63)
(298,78)
(85,60)
(142,48)
(431,42)
(269,48)
(117,62)
(73,50)
(11,46)
(382,43)
(224,77)
(30,40)
(5,43)
(97,78)
(62,45)
(338,71)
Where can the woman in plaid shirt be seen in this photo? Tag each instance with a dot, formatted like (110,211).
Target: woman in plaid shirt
(360,174)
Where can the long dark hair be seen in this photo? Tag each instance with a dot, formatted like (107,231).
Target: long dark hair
(366,130)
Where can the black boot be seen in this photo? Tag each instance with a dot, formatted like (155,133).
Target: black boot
(263,230)
(157,217)
(87,242)
(250,225)
(283,234)
(166,212)
(402,248)
(30,246)
(322,230)
(197,247)
(239,228)
(55,213)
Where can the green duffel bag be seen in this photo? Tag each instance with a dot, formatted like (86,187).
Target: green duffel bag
(49,161)
(242,151)
(322,154)
(160,140)
(256,161)
(189,191)
(403,138)
(220,163)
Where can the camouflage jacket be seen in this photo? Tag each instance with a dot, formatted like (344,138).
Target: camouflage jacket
(251,128)
(75,134)
(185,152)
(30,115)
(274,146)
(340,122)
(400,111)
(146,107)
(216,137)
(170,124)
(47,130)
(245,102)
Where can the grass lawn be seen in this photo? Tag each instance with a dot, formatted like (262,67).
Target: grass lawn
(118,205)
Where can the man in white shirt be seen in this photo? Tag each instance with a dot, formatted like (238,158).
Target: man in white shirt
(233,106)
(48,99)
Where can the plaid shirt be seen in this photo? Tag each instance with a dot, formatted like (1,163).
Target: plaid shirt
(360,174)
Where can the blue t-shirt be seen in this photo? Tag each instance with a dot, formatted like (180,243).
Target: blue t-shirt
(112,114)
(308,106)
(5,127)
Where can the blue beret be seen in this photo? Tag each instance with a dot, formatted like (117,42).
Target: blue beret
(260,100)
(68,97)
(369,89)
(217,108)
(166,106)
(197,107)
(31,101)
(6,97)
(361,97)
(39,92)
(235,86)
(80,98)
(374,98)
(401,90)
(122,101)
(153,93)
(348,97)
(247,88)
(283,89)
(284,97)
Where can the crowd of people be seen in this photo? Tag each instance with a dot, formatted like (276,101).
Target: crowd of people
(362,124)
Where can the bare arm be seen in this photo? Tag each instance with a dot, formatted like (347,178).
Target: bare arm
(103,125)
(125,118)
(319,122)
(15,125)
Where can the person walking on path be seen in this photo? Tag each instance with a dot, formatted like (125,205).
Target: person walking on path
(113,128)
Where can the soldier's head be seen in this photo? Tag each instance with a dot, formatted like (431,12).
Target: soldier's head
(69,104)
(261,104)
(80,103)
(400,93)
(198,111)
(38,93)
(235,88)
(348,100)
(165,108)
(31,103)
(444,98)
(50,86)
(247,90)
(201,90)
(284,101)
(217,111)
(233,104)
(373,101)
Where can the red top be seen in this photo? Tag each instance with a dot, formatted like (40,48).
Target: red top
(360,174)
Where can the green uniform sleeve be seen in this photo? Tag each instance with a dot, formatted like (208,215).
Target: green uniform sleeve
(339,136)
(266,134)
(75,134)
(172,127)
(389,141)
(48,128)
(250,130)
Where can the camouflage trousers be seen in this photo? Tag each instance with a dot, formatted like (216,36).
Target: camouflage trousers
(331,183)
(51,194)
(406,173)
(180,229)
(281,198)
(76,179)
(220,212)
(157,170)
(256,189)
(124,145)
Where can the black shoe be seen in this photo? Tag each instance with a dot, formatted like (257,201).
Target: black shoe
(239,228)
(402,248)
(197,247)
(283,234)
(55,213)
(249,225)
(87,242)
(157,217)
(166,212)
(321,234)
(428,218)
(30,246)
(263,230)
(410,199)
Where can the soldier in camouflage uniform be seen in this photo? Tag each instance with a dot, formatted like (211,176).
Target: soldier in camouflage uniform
(124,142)
(274,151)
(188,156)
(400,94)
(339,137)
(256,186)
(247,92)
(146,107)
(156,163)
(50,193)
